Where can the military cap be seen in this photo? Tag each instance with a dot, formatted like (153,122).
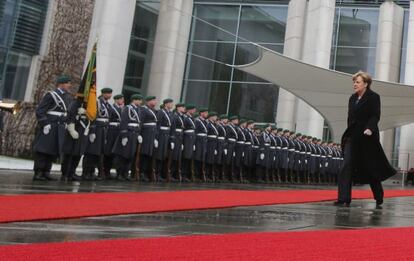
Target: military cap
(234,117)
(250,122)
(118,96)
(203,110)
(168,100)
(224,116)
(180,104)
(242,121)
(190,106)
(285,131)
(279,129)
(314,138)
(292,132)
(150,98)
(63,79)
(212,113)
(274,127)
(136,97)
(106,90)
(299,134)
(309,137)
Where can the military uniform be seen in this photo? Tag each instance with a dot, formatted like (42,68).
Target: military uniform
(127,142)
(200,147)
(74,148)
(163,137)
(231,138)
(189,144)
(96,142)
(212,148)
(51,116)
(115,112)
(221,149)
(177,138)
(148,133)
(263,160)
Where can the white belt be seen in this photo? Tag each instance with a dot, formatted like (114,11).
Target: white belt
(179,130)
(164,128)
(272,147)
(255,147)
(329,156)
(231,139)
(150,124)
(302,152)
(308,153)
(267,144)
(318,156)
(56,113)
(212,136)
(221,138)
(297,151)
(292,150)
(188,131)
(102,119)
(240,142)
(114,123)
(248,143)
(278,147)
(133,124)
(202,134)
(323,156)
(285,148)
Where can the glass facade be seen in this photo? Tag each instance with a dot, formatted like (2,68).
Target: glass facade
(21,30)
(140,47)
(221,35)
(354,39)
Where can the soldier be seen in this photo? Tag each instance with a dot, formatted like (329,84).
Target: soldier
(97,139)
(239,151)
(189,143)
(76,139)
(273,155)
(263,160)
(149,132)
(279,153)
(221,147)
(128,139)
(250,151)
(177,136)
(51,117)
(163,139)
(284,157)
(256,152)
(232,137)
(201,144)
(115,111)
(212,147)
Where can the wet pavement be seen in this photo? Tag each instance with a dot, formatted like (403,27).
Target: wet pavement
(397,212)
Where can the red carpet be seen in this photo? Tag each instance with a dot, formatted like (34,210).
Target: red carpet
(369,244)
(56,206)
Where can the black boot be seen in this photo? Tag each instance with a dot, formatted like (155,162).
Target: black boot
(38,176)
(47,176)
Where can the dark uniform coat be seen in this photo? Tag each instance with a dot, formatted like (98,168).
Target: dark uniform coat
(177,135)
(163,134)
(115,112)
(264,153)
(189,137)
(239,149)
(201,139)
(232,138)
(212,142)
(98,129)
(130,129)
(221,143)
(51,116)
(284,157)
(368,158)
(72,146)
(148,130)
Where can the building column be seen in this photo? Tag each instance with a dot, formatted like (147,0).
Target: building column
(111,26)
(406,146)
(387,63)
(295,26)
(170,49)
(317,51)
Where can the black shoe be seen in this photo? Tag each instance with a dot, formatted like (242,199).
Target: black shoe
(379,204)
(120,178)
(143,178)
(74,178)
(38,177)
(64,179)
(341,203)
(47,176)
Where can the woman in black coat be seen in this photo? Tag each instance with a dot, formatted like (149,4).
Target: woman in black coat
(364,159)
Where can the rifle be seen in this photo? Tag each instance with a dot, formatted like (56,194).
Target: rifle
(180,177)
(168,169)
(137,162)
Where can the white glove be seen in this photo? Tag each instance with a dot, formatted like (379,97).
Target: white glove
(306,161)
(156,143)
(262,156)
(225,151)
(139,139)
(234,154)
(172,145)
(92,137)
(72,131)
(326,164)
(46,129)
(242,154)
(288,160)
(274,158)
(194,148)
(299,161)
(182,147)
(81,111)
(215,152)
(124,141)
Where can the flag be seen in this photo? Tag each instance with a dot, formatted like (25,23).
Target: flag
(87,88)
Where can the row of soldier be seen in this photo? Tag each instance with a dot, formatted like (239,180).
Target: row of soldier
(184,144)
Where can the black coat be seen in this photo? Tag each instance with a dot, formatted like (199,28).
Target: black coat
(368,158)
